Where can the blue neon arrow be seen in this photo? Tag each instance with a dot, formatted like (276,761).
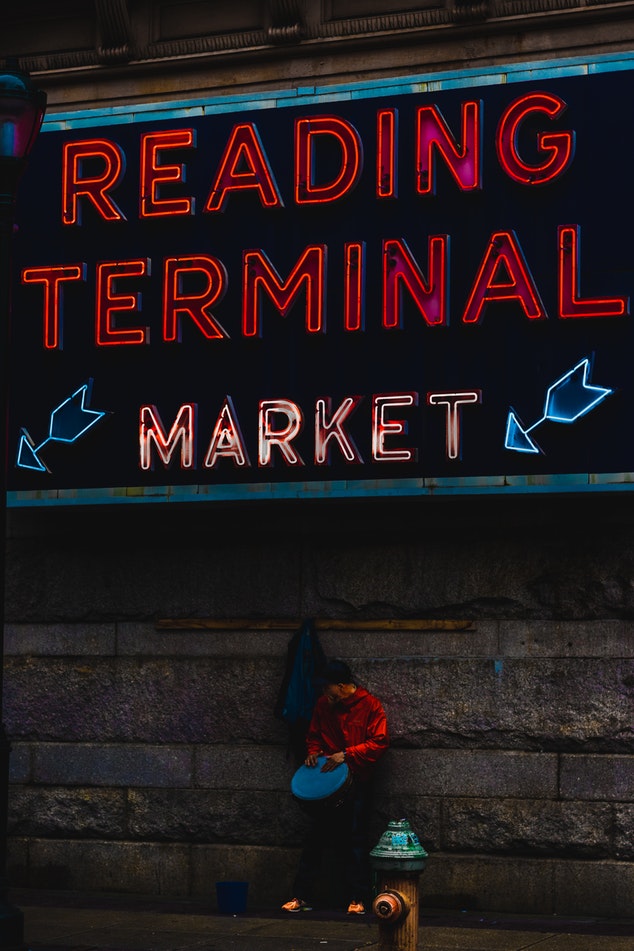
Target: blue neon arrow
(27,454)
(567,399)
(517,437)
(71,419)
(68,421)
(572,396)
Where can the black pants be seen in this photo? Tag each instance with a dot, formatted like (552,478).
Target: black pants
(344,829)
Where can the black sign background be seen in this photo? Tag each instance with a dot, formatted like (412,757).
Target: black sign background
(511,359)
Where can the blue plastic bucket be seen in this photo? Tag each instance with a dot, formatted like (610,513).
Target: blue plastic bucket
(232,897)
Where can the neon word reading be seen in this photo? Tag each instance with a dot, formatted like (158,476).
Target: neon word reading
(92,169)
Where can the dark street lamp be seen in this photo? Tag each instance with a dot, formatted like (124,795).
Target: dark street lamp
(21,113)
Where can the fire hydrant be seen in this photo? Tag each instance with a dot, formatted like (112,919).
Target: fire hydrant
(399,858)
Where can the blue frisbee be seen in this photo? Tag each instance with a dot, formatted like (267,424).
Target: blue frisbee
(310,784)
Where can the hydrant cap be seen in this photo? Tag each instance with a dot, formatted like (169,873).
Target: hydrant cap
(399,848)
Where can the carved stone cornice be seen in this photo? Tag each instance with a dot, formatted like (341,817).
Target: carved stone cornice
(286,22)
(471,11)
(287,25)
(115,41)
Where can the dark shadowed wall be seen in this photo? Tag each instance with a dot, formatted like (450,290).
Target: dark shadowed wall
(149,760)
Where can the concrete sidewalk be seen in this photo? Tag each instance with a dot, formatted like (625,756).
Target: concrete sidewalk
(65,921)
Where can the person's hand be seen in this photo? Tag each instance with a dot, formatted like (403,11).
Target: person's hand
(336,759)
(311,760)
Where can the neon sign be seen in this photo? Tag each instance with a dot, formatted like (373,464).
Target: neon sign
(335,293)
(68,423)
(503,276)
(567,399)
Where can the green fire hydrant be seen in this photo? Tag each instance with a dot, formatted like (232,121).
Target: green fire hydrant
(399,858)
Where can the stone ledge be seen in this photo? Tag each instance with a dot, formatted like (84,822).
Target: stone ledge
(63,811)
(136,637)
(478,773)
(529,886)
(71,640)
(603,638)
(79,764)
(624,831)
(515,885)
(528,827)
(243,767)
(598,777)
(594,888)
(486,638)
(576,704)
(134,868)
(446,773)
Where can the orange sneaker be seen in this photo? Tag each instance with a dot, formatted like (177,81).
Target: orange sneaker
(356,908)
(296,904)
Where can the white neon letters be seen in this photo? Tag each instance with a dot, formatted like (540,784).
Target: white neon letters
(281,423)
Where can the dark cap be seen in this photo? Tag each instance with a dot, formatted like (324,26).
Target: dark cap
(334,672)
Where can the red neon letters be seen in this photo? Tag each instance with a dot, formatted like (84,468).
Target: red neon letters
(197,305)
(244,148)
(196,284)
(463,161)
(154,173)
(387,153)
(258,274)
(52,278)
(108,160)
(556,147)
(503,277)
(92,169)
(570,302)
(108,303)
(307,131)
(401,270)
(354,286)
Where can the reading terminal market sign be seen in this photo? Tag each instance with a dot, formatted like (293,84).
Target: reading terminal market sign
(404,290)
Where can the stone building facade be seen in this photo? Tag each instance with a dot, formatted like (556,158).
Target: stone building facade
(145,644)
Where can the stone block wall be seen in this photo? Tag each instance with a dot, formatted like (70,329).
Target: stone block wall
(149,760)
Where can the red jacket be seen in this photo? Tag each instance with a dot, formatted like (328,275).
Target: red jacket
(357,725)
